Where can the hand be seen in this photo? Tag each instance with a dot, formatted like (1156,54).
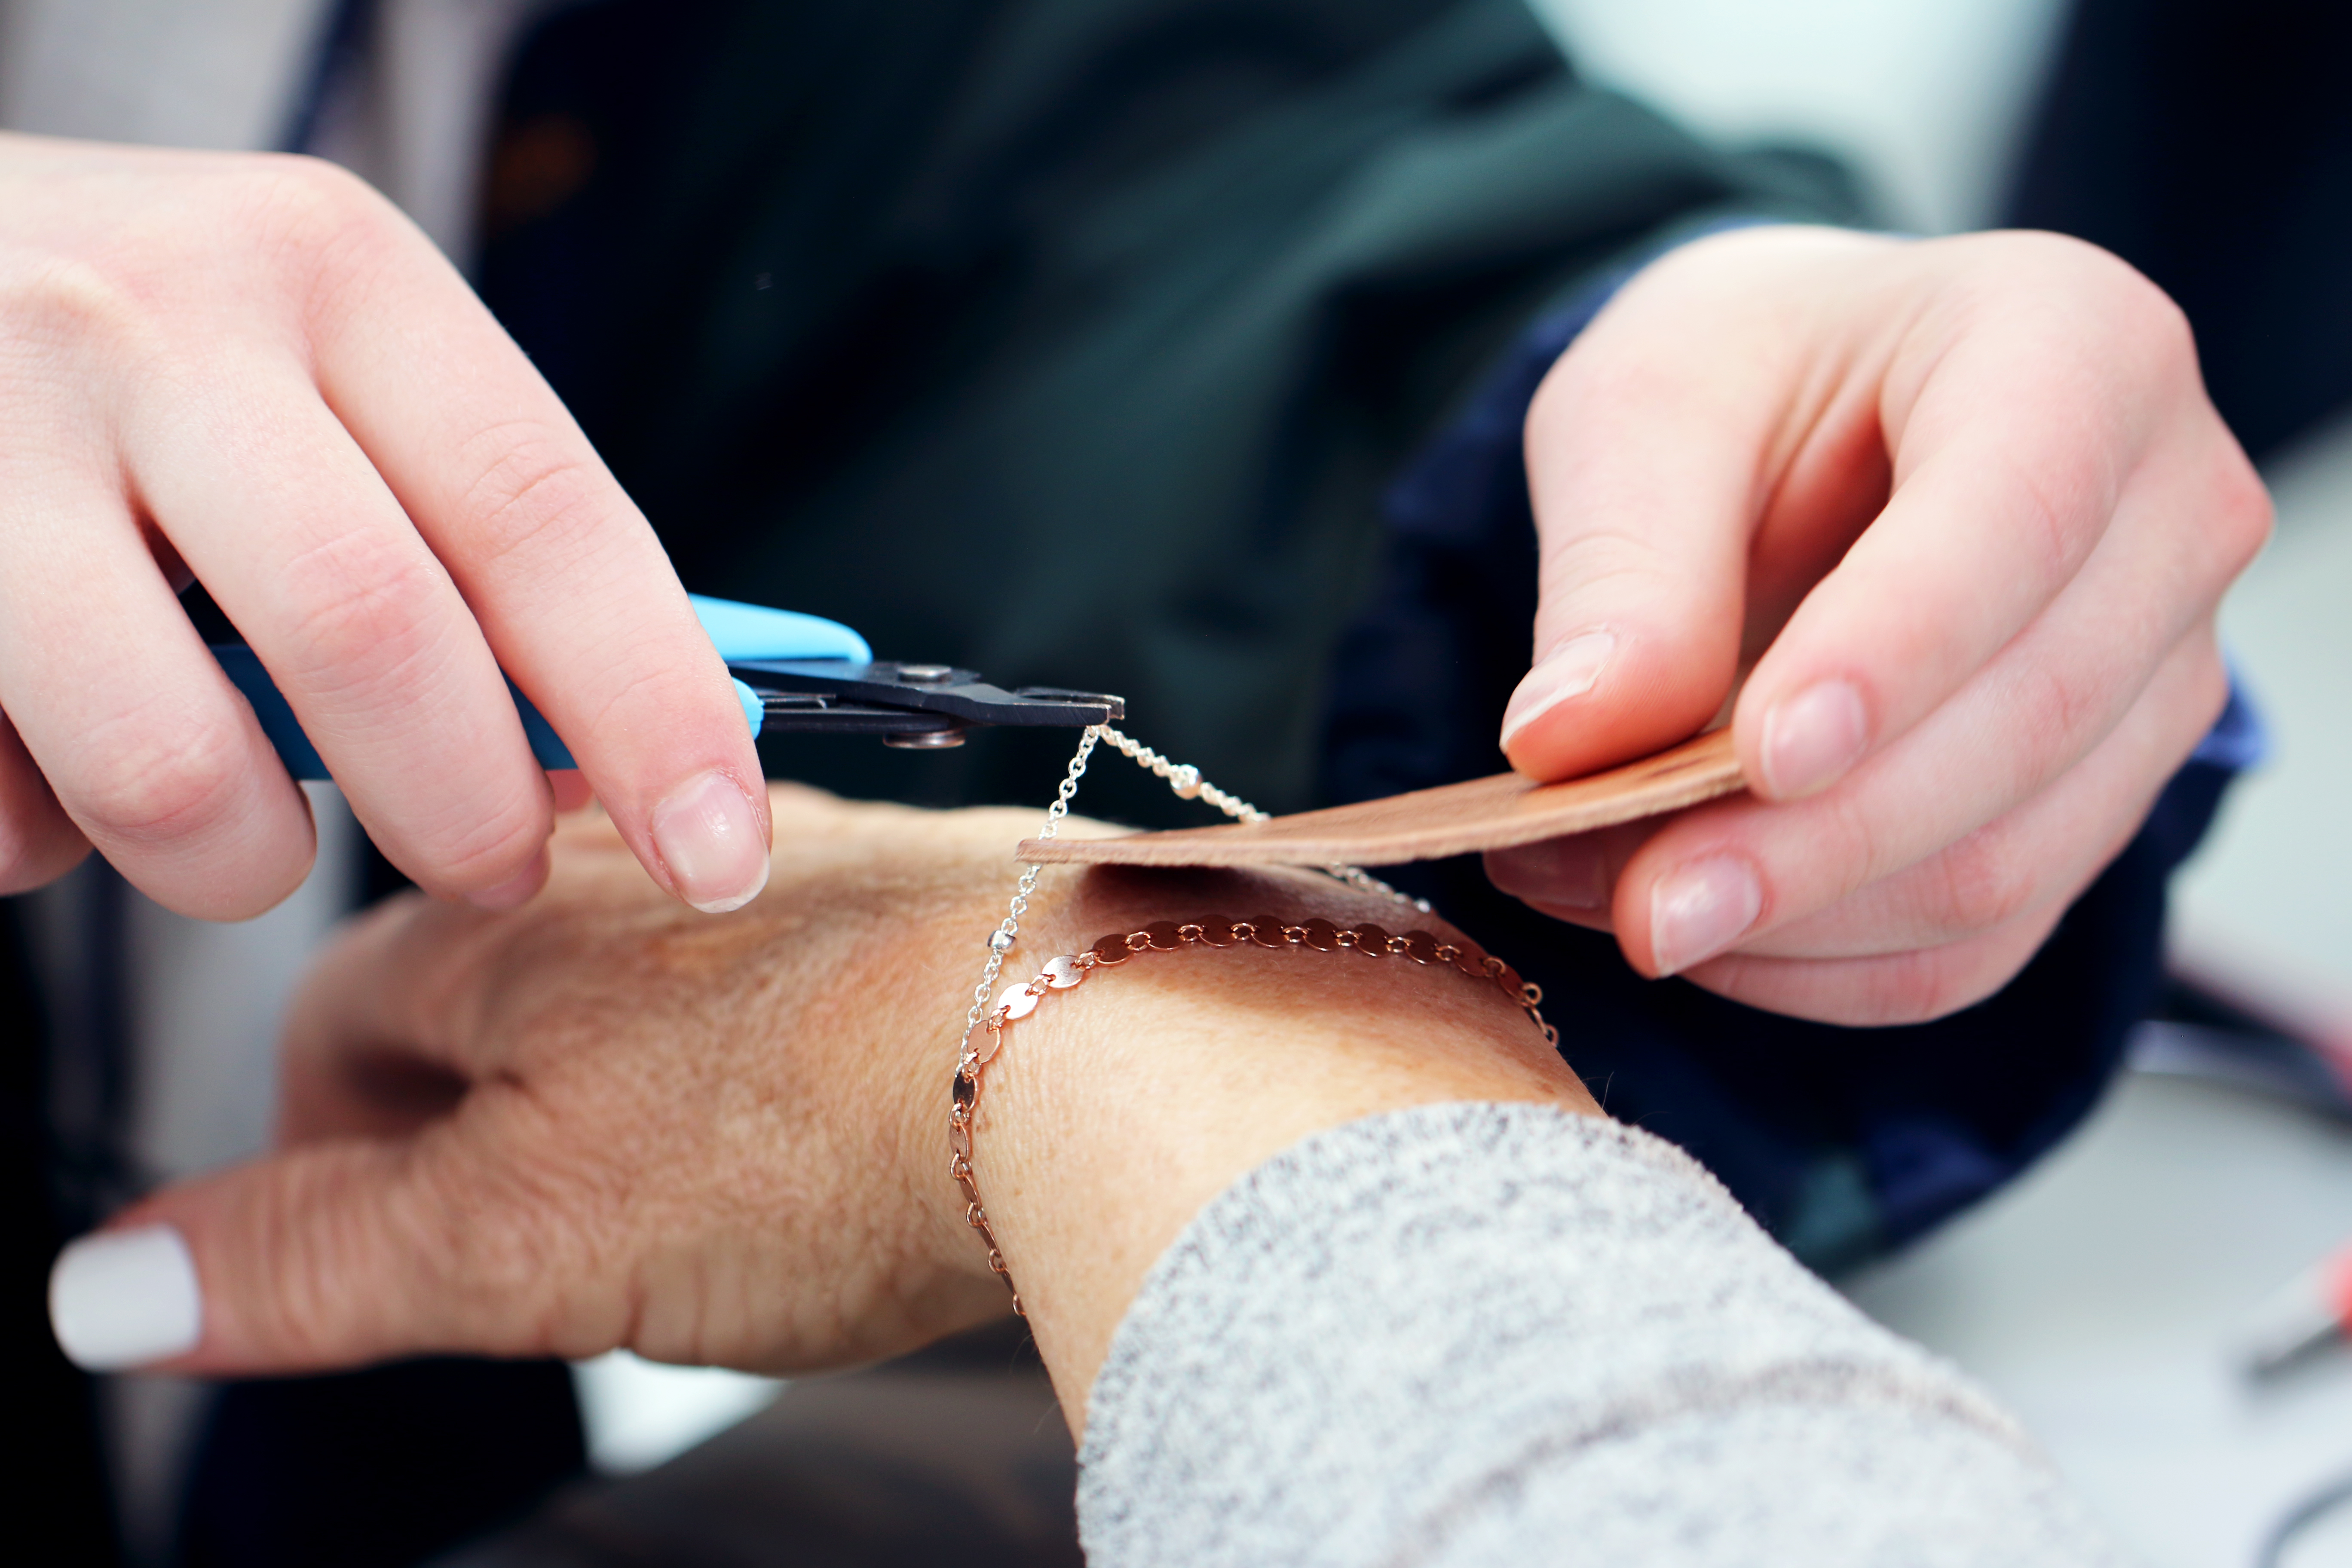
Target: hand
(598,1121)
(601,1120)
(254,371)
(1964,506)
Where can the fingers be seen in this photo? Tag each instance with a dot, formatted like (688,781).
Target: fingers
(284,520)
(339,1253)
(2019,426)
(419,1202)
(149,750)
(2038,858)
(1639,450)
(304,402)
(1572,879)
(1659,450)
(1727,876)
(1875,993)
(561,571)
(38,842)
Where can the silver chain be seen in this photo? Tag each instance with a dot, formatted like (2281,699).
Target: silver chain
(1187,782)
(1363,881)
(1184,778)
(1008,931)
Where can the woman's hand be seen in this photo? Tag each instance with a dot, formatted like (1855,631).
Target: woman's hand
(1964,506)
(601,1121)
(254,371)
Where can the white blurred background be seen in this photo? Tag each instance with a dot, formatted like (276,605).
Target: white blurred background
(1924,97)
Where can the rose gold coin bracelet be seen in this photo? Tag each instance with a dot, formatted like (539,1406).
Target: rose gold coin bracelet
(1069,970)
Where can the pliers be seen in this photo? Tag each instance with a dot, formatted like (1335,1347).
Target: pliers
(794,675)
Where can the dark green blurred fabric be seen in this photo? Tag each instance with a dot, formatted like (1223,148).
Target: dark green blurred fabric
(1074,342)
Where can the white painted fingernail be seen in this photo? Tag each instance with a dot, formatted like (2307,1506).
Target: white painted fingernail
(126,1298)
(1572,670)
(709,839)
(1697,910)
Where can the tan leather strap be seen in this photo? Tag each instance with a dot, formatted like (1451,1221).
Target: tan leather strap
(1428,824)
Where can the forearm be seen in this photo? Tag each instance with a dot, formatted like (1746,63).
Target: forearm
(1119,1110)
(1310,1285)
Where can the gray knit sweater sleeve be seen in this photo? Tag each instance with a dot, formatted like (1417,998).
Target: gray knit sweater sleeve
(1500,1333)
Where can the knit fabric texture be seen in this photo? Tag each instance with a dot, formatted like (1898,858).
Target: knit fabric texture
(1505,1334)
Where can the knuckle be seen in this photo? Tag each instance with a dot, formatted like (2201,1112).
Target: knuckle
(489,847)
(2054,707)
(318,224)
(304,200)
(1983,882)
(1598,563)
(2243,515)
(1931,982)
(154,777)
(1849,842)
(2208,687)
(363,604)
(2144,312)
(294,1239)
(57,305)
(368,638)
(520,1246)
(533,489)
(1917,988)
(2053,511)
(2121,298)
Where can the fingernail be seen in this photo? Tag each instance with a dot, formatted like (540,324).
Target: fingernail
(516,890)
(1565,873)
(1811,739)
(126,1298)
(1571,670)
(710,841)
(1699,909)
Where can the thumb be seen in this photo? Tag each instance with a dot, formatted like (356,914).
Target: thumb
(1647,446)
(326,1256)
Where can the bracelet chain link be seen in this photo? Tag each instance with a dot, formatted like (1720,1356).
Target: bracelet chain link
(1069,970)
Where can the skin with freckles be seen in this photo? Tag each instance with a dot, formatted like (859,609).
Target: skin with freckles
(253,371)
(1961,514)
(600,1121)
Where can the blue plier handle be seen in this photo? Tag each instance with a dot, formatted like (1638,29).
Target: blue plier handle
(795,674)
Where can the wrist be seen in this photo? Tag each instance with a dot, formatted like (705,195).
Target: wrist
(1117,1108)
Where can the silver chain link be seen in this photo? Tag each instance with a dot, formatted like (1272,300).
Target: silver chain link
(1008,931)
(1363,881)
(1184,778)
(1187,782)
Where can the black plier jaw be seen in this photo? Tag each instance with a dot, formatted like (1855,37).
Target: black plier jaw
(915,706)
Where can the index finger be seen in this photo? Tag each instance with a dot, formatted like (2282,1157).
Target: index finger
(571,588)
